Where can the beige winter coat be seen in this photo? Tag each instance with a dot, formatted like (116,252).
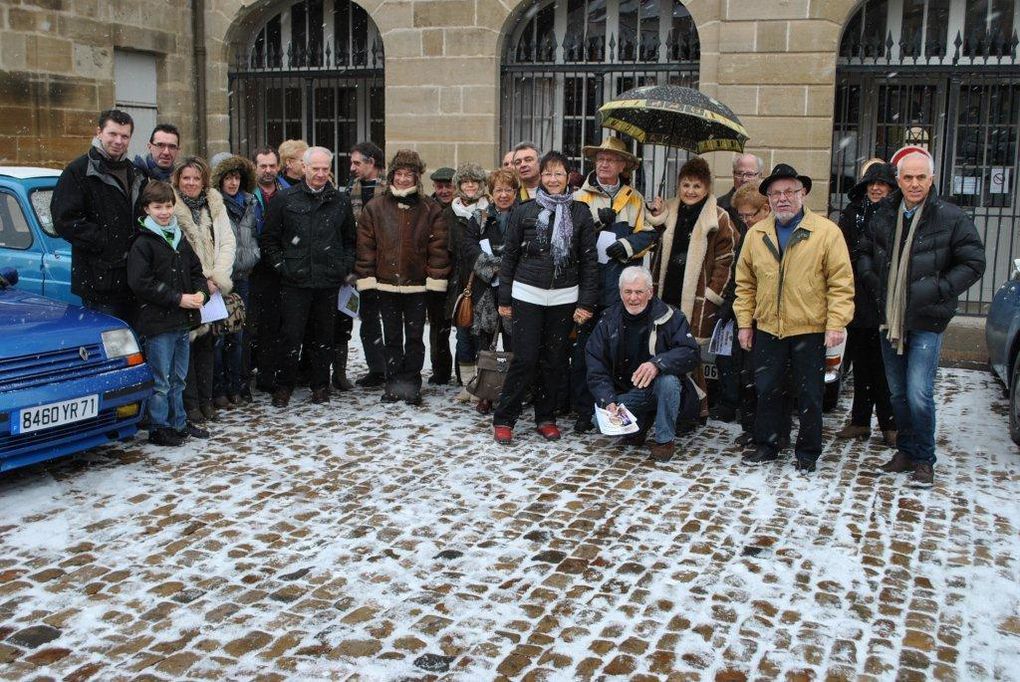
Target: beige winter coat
(212,240)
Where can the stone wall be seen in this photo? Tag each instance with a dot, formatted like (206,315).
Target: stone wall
(56,70)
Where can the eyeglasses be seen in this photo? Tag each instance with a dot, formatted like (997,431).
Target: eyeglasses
(556,174)
(504,190)
(786,193)
(747,175)
(746,217)
(168,146)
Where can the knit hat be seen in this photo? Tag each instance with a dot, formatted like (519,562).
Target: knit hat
(405,158)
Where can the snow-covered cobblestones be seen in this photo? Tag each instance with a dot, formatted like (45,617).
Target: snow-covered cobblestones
(389,542)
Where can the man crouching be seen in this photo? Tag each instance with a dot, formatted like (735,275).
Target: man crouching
(638,356)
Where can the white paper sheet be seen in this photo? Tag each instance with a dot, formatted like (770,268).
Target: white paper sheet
(348,301)
(722,339)
(214,309)
(625,422)
(605,239)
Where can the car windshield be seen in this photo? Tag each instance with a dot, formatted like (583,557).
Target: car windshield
(41,205)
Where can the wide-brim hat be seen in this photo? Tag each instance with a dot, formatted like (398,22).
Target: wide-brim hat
(877,172)
(614,145)
(784,171)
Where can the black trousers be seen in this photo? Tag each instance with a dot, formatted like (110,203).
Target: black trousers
(804,354)
(439,336)
(264,321)
(198,390)
(729,377)
(541,346)
(403,322)
(871,389)
(312,310)
(372,333)
(581,399)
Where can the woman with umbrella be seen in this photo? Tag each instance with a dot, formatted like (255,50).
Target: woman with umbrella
(698,244)
(548,279)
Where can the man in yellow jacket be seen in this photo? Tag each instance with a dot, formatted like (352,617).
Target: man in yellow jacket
(795,296)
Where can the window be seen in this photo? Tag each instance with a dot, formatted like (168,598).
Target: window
(40,199)
(14,230)
(135,91)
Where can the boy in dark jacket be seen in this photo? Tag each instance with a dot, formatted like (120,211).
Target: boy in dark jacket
(161,271)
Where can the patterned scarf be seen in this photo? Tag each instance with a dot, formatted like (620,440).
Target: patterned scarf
(557,207)
(196,205)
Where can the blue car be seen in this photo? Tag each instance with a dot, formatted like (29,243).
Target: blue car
(70,378)
(1002,335)
(28,241)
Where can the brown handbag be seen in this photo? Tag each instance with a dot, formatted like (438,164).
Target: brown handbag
(487,384)
(463,307)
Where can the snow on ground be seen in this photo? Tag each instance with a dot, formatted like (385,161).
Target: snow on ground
(389,542)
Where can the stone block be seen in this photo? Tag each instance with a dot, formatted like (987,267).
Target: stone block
(779,132)
(764,69)
(446,71)
(48,54)
(450,128)
(92,62)
(813,163)
(737,36)
(479,99)
(786,100)
(73,94)
(81,29)
(18,121)
(820,100)
(836,11)
(770,36)
(394,15)
(492,13)
(27,20)
(444,13)
(124,12)
(432,42)
(468,42)
(485,154)
(451,100)
(742,99)
(814,36)
(410,99)
(753,10)
(403,43)
(87,8)
(12,51)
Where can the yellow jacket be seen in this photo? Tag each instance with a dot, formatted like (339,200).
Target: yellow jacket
(810,289)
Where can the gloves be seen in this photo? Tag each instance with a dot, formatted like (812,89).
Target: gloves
(607,217)
(616,250)
(725,312)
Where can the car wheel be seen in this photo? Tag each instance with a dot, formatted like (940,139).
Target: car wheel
(831,395)
(1014,403)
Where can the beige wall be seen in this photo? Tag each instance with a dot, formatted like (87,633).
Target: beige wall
(772,61)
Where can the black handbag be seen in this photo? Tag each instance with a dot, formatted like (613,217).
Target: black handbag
(487,384)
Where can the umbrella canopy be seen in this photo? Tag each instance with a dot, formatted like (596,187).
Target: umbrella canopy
(675,116)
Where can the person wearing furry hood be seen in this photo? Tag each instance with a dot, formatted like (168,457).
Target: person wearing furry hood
(402,255)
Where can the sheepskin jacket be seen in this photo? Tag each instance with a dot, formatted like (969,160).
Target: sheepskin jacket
(212,239)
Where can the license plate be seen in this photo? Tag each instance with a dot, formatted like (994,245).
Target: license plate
(56,414)
(711,371)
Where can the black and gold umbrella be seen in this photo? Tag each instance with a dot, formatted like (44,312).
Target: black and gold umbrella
(675,116)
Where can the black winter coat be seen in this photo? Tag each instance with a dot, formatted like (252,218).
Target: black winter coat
(158,275)
(854,223)
(309,238)
(92,211)
(676,351)
(528,258)
(946,258)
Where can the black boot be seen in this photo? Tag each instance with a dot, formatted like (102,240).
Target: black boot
(340,381)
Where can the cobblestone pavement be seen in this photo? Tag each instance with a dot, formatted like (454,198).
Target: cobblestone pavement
(357,541)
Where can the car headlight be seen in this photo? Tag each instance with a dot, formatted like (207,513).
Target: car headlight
(119,343)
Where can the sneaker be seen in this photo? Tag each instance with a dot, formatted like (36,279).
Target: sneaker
(196,431)
(899,464)
(281,397)
(371,380)
(320,396)
(165,437)
(662,452)
(763,453)
(854,431)
(583,424)
(805,465)
(924,474)
(549,431)
(503,435)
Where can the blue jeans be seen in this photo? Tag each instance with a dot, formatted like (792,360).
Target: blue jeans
(167,357)
(467,346)
(229,371)
(911,379)
(662,399)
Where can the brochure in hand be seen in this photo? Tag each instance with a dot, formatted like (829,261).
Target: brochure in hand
(619,424)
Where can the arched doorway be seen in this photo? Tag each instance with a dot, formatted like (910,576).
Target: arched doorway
(942,74)
(562,60)
(312,70)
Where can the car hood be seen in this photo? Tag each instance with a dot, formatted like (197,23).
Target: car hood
(35,324)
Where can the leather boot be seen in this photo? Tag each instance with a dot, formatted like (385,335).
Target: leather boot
(467,373)
(889,437)
(854,431)
(899,464)
(340,381)
(924,474)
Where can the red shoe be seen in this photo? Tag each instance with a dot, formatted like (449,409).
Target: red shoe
(549,431)
(503,434)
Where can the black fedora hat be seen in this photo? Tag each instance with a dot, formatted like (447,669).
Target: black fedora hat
(784,171)
(877,172)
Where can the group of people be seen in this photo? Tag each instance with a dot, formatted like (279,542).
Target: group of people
(605,299)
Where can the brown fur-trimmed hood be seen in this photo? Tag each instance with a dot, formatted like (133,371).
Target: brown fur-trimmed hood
(235,164)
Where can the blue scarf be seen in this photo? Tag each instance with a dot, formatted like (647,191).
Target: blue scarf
(557,207)
(171,233)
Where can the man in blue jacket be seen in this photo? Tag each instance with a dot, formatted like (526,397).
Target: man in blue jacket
(638,356)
